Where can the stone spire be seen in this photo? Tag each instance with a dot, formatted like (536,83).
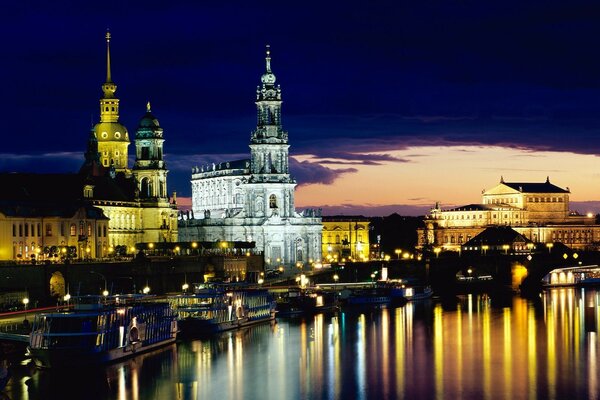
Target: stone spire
(109,88)
(112,137)
(268,104)
(269,142)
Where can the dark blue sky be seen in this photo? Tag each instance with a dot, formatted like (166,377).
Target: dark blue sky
(356,77)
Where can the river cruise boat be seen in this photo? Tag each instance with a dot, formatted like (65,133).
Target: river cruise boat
(101,329)
(573,276)
(297,302)
(379,294)
(213,309)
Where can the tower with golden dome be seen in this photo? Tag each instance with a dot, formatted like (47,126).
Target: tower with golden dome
(112,136)
(135,200)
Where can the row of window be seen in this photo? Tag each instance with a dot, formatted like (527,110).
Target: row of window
(29,230)
(456,239)
(473,216)
(337,239)
(545,199)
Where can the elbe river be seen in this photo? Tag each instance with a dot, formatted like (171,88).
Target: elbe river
(471,347)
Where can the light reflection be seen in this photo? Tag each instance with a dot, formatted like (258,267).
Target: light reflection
(487,348)
(438,349)
(385,366)
(543,348)
(361,349)
(593,366)
(507,353)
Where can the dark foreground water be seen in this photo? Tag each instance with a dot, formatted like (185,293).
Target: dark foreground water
(472,347)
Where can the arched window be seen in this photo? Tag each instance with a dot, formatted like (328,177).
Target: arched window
(73,230)
(272,201)
(89,229)
(145,188)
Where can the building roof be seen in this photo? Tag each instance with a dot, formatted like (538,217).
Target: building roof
(345,218)
(37,209)
(526,187)
(64,188)
(497,235)
(471,207)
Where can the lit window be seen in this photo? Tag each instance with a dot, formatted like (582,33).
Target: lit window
(272,201)
(73,230)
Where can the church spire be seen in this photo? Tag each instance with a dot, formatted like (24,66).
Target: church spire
(108,77)
(269,142)
(112,137)
(109,88)
(268,58)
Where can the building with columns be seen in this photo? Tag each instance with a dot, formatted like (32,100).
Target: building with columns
(253,199)
(539,211)
(346,238)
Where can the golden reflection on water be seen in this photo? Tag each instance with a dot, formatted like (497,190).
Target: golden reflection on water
(475,347)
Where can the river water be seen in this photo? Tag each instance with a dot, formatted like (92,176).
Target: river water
(471,347)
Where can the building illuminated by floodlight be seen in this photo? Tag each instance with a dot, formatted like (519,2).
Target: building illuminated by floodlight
(538,211)
(253,200)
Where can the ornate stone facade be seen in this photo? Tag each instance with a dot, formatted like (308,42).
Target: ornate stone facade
(253,199)
(345,238)
(539,211)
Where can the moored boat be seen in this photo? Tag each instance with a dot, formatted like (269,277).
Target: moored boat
(297,302)
(100,330)
(217,309)
(586,275)
(376,295)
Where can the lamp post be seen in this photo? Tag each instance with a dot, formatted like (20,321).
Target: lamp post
(398,252)
(437,251)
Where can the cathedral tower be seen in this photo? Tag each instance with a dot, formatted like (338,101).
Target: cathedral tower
(113,138)
(269,152)
(149,170)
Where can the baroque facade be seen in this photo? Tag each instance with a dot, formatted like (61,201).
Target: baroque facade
(142,210)
(104,207)
(253,200)
(538,211)
(345,238)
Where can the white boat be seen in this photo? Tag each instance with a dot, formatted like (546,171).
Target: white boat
(100,330)
(220,308)
(572,276)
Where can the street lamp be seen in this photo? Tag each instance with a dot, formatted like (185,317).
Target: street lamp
(185,287)
(505,247)
(336,277)
(146,290)
(398,252)
(437,251)
(549,246)
(25,302)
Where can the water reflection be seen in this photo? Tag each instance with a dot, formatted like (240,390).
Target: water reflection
(474,347)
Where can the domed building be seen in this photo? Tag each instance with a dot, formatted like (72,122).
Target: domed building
(104,208)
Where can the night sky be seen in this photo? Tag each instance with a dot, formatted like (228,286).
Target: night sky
(370,91)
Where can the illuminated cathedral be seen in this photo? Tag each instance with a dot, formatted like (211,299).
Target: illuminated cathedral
(252,200)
